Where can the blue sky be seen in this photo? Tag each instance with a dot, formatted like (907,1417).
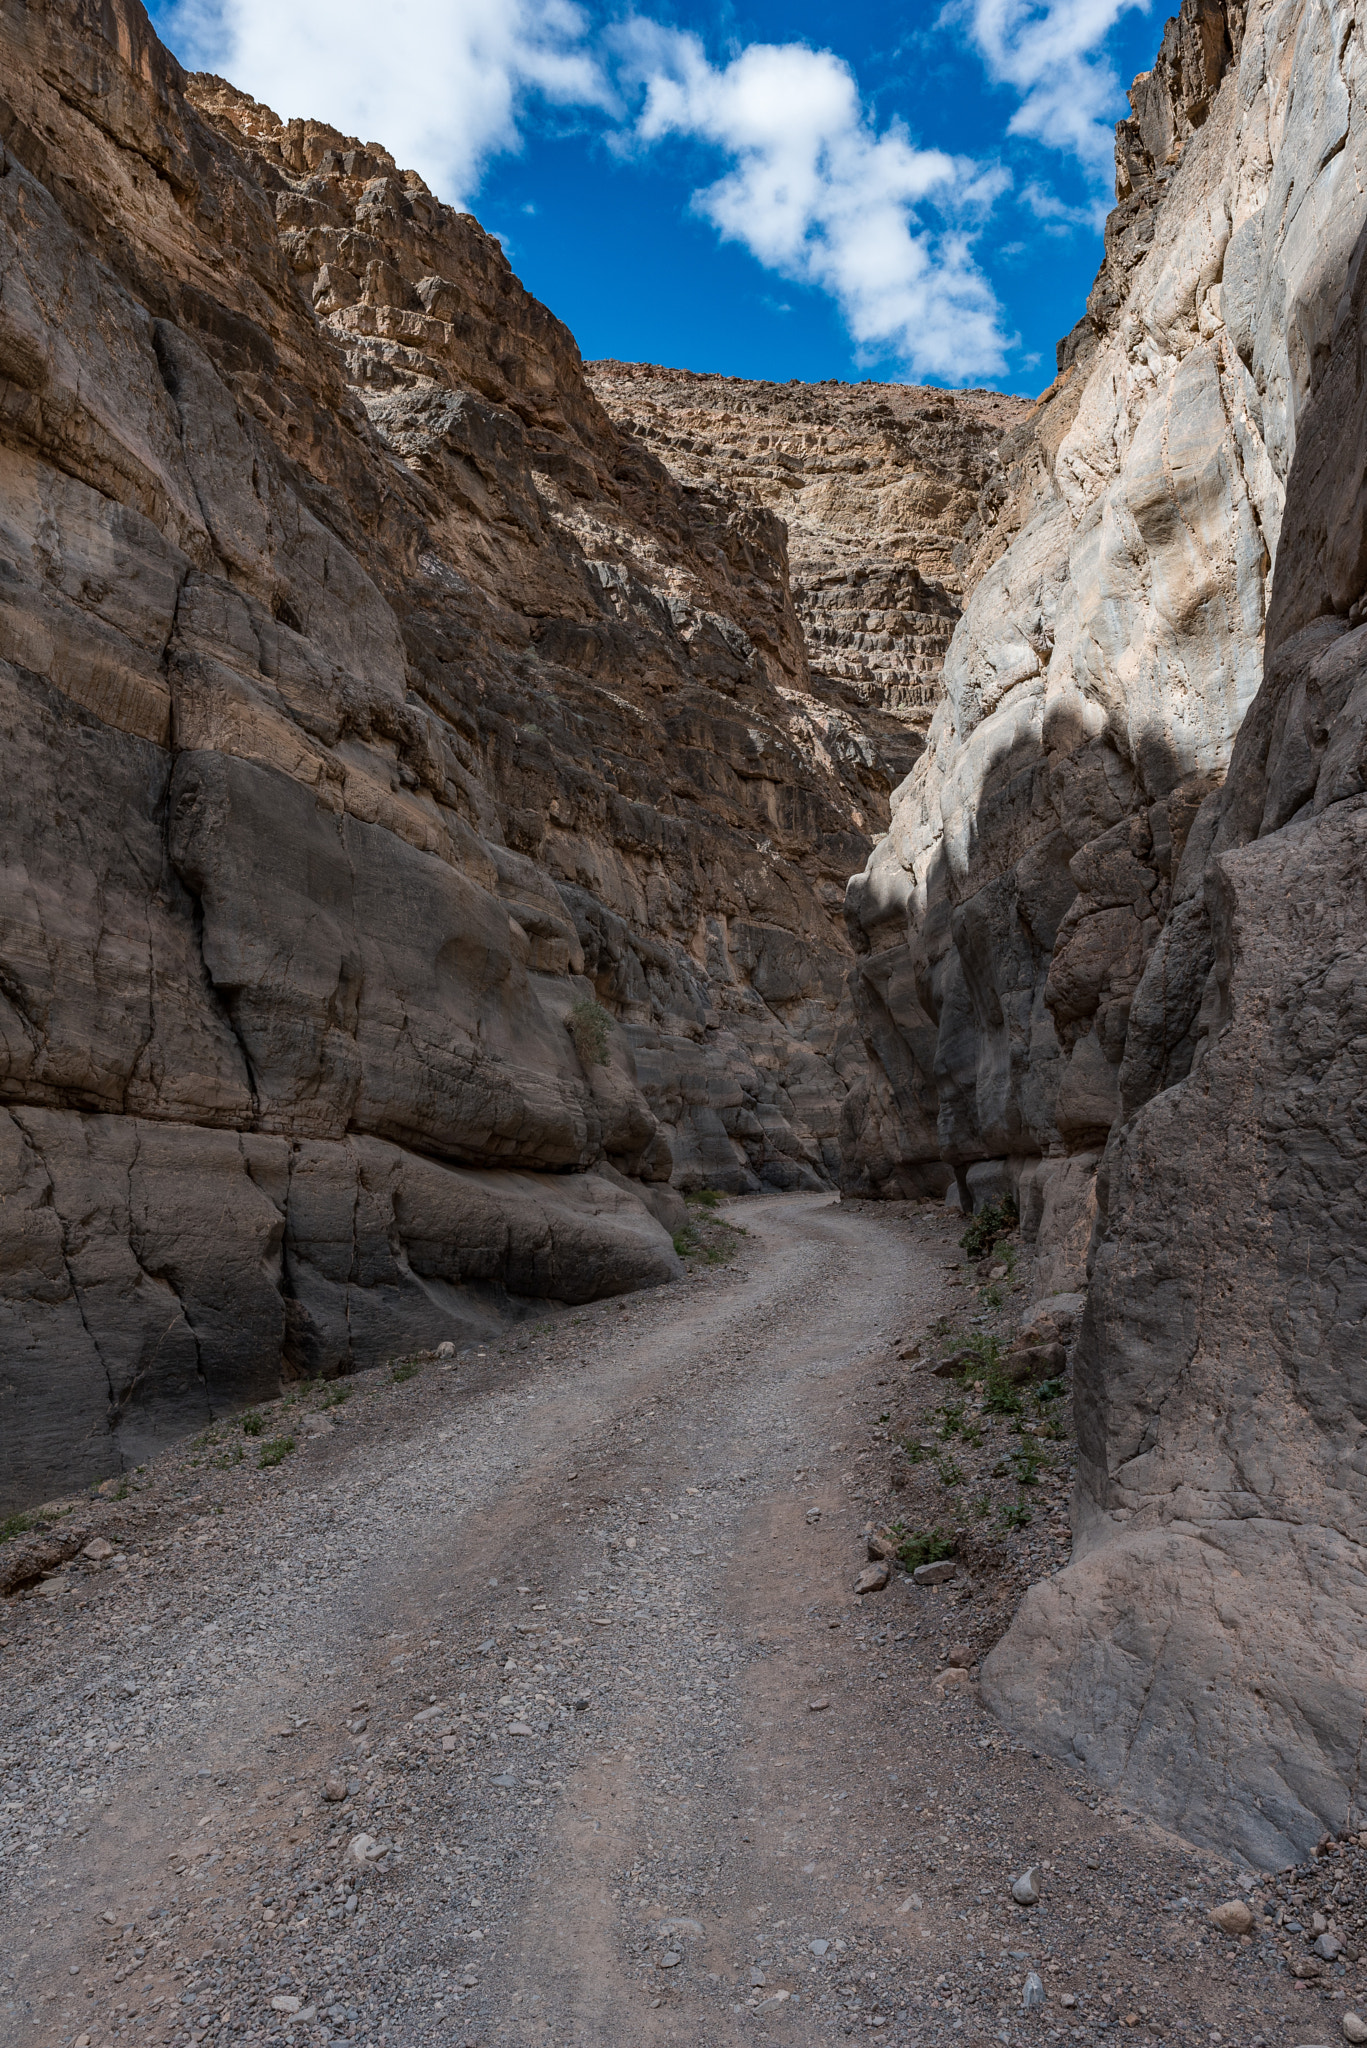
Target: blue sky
(808,191)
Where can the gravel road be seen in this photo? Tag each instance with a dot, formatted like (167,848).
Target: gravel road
(528,1701)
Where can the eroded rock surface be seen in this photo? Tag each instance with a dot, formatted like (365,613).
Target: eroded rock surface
(424,850)
(887,491)
(1119,919)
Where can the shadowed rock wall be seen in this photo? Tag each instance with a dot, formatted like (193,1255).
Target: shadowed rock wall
(1119,919)
(419,855)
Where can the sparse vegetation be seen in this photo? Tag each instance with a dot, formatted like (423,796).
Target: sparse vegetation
(589,1025)
(335,1395)
(951,1474)
(406,1369)
(1018,1517)
(992,1221)
(15,1525)
(253,1423)
(705,1198)
(275,1452)
(927,1548)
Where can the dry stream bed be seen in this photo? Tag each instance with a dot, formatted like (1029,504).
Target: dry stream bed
(526,1699)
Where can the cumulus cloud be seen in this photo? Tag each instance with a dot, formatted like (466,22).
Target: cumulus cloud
(440,83)
(817,194)
(809,185)
(1050,53)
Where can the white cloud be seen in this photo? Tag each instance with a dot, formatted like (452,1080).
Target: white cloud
(1049,52)
(438,82)
(817,194)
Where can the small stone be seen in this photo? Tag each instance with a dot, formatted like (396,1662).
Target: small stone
(813,1514)
(758,1978)
(1025,1891)
(518,1728)
(955,1679)
(363,1848)
(874,1577)
(581,1702)
(1354,2027)
(1032,1997)
(818,1706)
(881,1546)
(670,1930)
(818,1948)
(285,2003)
(334,1791)
(358,1725)
(1328,1946)
(935,1574)
(670,1960)
(505,1779)
(961,1657)
(1318,1923)
(97,1550)
(1068,2000)
(1235,1916)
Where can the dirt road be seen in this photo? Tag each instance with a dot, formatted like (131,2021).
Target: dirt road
(616,1755)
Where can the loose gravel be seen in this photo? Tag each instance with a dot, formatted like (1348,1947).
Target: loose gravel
(526,1699)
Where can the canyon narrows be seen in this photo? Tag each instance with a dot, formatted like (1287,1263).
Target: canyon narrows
(463,801)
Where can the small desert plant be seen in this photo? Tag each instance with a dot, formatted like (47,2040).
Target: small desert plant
(405,1370)
(253,1423)
(685,1241)
(335,1396)
(1018,1517)
(588,1025)
(992,1221)
(706,1198)
(275,1452)
(927,1548)
(951,1475)
(15,1525)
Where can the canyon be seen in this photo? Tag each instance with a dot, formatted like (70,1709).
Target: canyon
(426,837)
(463,800)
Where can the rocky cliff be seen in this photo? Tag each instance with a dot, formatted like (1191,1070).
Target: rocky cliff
(424,847)
(1118,918)
(887,492)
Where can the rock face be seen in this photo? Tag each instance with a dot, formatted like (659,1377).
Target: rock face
(1103,927)
(885,490)
(423,847)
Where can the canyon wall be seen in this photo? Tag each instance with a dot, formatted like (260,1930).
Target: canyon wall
(1118,922)
(424,848)
(886,491)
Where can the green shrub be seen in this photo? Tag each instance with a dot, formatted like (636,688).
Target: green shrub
(15,1525)
(685,1240)
(335,1396)
(1026,1464)
(1050,1390)
(252,1423)
(951,1475)
(927,1548)
(992,1221)
(275,1452)
(1018,1517)
(404,1370)
(706,1198)
(913,1452)
(588,1025)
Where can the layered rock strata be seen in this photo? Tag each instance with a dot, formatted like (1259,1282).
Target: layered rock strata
(883,488)
(423,849)
(1119,917)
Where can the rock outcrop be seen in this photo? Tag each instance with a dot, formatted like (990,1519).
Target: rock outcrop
(885,489)
(1119,919)
(424,850)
